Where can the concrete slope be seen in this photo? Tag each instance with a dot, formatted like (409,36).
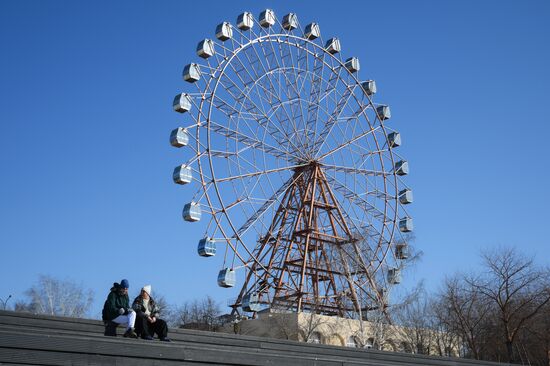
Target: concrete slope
(27,339)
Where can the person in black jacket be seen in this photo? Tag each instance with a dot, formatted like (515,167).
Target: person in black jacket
(116,310)
(147,320)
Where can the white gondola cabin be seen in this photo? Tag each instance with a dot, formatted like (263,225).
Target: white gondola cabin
(405,196)
(312,31)
(192,73)
(207,247)
(369,87)
(333,46)
(352,64)
(394,276)
(182,174)
(406,224)
(267,18)
(245,21)
(402,251)
(192,212)
(394,139)
(224,31)
(383,112)
(251,302)
(182,103)
(179,137)
(401,167)
(227,278)
(290,21)
(205,48)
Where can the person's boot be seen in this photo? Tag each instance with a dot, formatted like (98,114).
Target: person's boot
(130,333)
(110,329)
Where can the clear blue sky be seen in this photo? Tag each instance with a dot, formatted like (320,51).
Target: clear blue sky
(85,113)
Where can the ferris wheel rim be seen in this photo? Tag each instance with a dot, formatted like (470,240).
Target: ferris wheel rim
(252,178)
(271,37)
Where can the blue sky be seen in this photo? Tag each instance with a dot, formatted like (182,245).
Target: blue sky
(85,112)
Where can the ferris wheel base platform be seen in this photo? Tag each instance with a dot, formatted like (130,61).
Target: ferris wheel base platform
(28,339)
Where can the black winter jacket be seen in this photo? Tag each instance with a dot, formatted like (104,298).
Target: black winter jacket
(115,301)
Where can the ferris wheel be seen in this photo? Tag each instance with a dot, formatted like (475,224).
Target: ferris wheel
(293,169)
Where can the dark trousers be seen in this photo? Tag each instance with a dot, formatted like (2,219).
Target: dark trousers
(144,328)
(110,328)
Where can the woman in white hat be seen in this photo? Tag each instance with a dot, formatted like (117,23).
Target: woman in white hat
(147,321)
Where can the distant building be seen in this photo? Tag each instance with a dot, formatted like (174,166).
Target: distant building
(331,330)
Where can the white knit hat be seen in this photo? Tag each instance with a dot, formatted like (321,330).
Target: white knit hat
(147,288)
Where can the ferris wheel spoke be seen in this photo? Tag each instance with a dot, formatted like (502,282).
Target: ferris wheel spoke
(301,69)
(363,266)
(346,169)
(266,94)
(242,70)
(351,196)
(314,96)
(336,118)
(273,64)
(332,83)
(254,142)
(291,76)
(256,63)
(225,107)
(241,96)
(266,122)
(263,172)
(262,120)
(268,203)
(353,159)
(286,55)
(287,114)
(270,98)
(351,141)
(340,105)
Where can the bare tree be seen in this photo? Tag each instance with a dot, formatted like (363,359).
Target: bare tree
(197,314)
(465,311)
(517,288)
(303,326)
(56,297)
(447,340)
(163,304)
(535,339)
(415,319)
(312,325)
(286,327)
(379,329)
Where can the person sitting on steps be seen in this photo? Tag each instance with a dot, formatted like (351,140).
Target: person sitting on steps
(147,320)
(116,310)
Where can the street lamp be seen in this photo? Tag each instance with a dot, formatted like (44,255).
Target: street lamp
(5,302)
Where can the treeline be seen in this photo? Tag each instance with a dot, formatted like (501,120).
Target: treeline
(501,313)
(56,297)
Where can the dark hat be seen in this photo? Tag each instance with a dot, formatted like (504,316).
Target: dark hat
(124,283)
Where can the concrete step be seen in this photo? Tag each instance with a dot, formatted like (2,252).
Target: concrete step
(47,340)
